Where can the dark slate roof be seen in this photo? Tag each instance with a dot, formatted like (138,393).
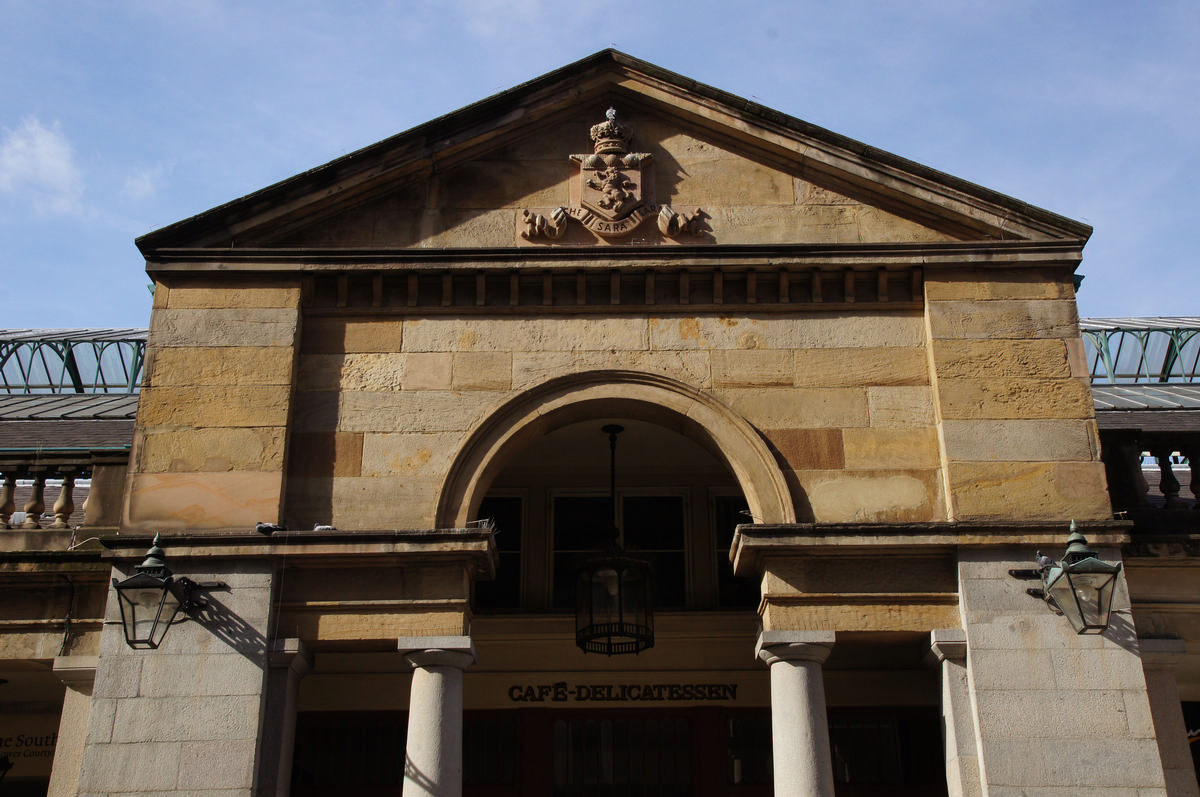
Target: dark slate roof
(52,421)
(68,406)
(1147,396)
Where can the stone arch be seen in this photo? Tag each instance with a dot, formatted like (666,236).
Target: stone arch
(596,394)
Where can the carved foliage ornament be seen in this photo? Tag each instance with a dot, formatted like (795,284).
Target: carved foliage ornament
(611,197)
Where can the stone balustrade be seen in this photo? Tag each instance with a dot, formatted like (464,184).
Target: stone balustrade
(1152,470)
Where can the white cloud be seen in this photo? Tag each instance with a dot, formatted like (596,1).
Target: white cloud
(142,184)
(38,163)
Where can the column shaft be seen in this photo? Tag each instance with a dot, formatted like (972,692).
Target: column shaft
(433,754)
(799,724)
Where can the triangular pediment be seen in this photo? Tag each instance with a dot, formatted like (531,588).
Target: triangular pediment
(704,168)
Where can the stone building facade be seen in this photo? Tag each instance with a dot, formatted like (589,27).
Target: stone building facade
(853,397)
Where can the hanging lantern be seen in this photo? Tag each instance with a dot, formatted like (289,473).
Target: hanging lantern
(614,612)
(150,599)
(1081,586)
(614,606)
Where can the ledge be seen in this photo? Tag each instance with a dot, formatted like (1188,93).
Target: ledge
(476,548)
(752,542)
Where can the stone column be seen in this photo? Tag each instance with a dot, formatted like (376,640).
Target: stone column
(949,647)
(77,673)
(1160,657)
(287,663)
(799,725)
(433,757)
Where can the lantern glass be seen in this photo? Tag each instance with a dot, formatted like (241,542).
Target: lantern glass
(613,611)
(1083,592)
(148,604)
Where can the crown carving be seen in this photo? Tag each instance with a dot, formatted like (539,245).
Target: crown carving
(611,136)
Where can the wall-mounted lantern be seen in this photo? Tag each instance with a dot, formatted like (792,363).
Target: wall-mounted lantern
(1080,586)
(614,611)
(151,598)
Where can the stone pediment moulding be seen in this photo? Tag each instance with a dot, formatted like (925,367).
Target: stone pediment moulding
(613,201)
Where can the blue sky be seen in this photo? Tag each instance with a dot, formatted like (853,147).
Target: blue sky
(120,117)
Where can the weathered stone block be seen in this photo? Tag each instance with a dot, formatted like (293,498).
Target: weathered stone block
(809,449)
(876,329)
(325,454)
(367,502)
(1020,440)
(505,184)
(202,500)
(214,406)
(423,455)
(872,496)
(900,407)
(1029,490)
(415,411)
(975,359)
(219,294)
(689,367)
(799,408)
(1003,319)
(210,450)
(904,449)
(853,367)
(1015,398)
(526,334)
(222,764)
(992,284)
(349,336)
(236,328)
(482,371)
(752,368)
(183,719)
(269,365)
(115,768)
(449,229)
(428,371)
(731,181)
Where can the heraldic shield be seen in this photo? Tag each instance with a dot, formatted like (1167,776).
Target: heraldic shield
(612,190)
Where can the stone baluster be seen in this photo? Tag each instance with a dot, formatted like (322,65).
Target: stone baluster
(65,505)
(433,754)
(1123,466)
(36,504)
(1168,484)
(799,724)
(8,503)
(1192,452)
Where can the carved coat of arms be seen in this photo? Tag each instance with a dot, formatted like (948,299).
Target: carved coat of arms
(612,199)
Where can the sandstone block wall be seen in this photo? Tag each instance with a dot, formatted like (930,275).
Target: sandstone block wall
(1014,407)
(213,415)
(383,408)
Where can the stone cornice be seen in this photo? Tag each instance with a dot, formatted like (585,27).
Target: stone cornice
(754,543)
(276,260)
(473,548)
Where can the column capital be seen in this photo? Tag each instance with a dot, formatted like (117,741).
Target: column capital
(77,672)
(1165,654)
(948,643)
(435,651)
(290,654)
(814,646)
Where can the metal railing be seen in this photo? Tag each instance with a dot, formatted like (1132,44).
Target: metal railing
(1142,350)
(71,360)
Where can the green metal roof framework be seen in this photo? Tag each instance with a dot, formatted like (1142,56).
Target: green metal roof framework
(1142,350)
(71,360)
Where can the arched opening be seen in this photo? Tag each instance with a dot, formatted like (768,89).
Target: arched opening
(688,471)
(615,394)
